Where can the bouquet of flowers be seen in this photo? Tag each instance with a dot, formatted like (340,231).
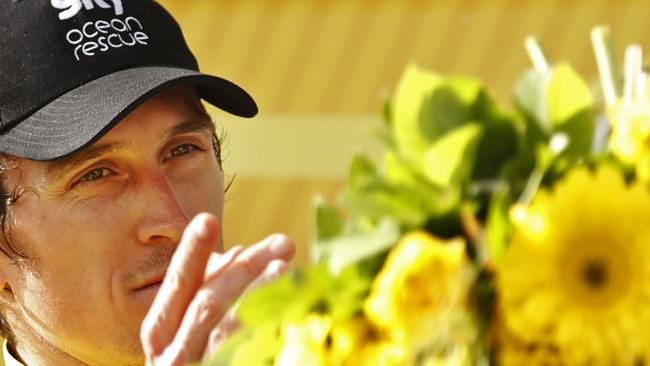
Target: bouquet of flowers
(486,236)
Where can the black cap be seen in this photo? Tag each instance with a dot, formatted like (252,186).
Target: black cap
(71,69)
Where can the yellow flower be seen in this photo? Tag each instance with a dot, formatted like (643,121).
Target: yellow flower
(347,340)
(529,355)
(630,138)
(318,341)
(250,353)
(459,355)
(577,272)
(385,353)
(304,342)
(422,280)
(512,351)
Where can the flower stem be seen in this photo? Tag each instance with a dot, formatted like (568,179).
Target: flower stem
(532,185)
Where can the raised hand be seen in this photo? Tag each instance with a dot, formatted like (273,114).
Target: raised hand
(190,317)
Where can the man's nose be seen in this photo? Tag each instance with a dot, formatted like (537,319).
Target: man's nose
(162,216)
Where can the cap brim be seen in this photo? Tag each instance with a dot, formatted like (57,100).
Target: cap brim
(83,115)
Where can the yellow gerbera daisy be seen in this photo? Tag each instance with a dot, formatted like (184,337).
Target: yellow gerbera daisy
(512,351)
(422,280)
(577,272)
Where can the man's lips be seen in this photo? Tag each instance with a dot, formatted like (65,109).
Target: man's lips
(151,284)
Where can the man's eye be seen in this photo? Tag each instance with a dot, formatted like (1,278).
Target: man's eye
(94,175)
(182,150)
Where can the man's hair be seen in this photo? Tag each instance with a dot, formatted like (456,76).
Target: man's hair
(7,197)
(7,246)
(10,195)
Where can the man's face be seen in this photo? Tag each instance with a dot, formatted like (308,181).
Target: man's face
(101,229)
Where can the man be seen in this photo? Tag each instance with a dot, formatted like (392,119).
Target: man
(113,190)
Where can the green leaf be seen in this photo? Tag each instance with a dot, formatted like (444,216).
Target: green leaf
(449,161)
(362,172)
(346,250)
(567,95)
(517,171)
(270,302)
(498,225)
(444,111)
(402,193)
(408,205)
(411,116)
(498,145)
(468,90)
(530,98)
(387,111)
(557,102)
(381,200)
(328,220)
(349,291)
(250,347)
(402,173)
(303,291)
(263,311)
(580,129)
(426,107)
(227,350)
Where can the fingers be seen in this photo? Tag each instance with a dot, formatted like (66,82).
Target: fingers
(186,319)
(256,258)
(229,324)
(273,271)
(222,289)
(184,277)
(218,262)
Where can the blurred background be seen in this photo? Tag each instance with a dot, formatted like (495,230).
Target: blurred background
(320,69)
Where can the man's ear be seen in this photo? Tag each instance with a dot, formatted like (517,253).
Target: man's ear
(7,267)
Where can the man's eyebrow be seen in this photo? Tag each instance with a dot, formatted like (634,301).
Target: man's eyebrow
(58,167)
(193,123)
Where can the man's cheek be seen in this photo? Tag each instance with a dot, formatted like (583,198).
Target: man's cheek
(48,300)
(202,196)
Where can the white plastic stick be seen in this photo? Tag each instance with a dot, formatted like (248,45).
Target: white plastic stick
(641,87)
(632,67)
(600,39)
(536,54)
